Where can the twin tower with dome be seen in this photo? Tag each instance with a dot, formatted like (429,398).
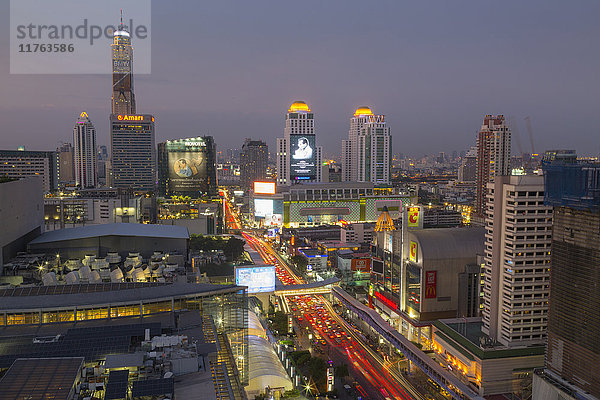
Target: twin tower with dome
(365,157)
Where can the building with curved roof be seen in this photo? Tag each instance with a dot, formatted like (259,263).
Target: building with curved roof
(299,106)
(265,369)
(434,273)
(363,110)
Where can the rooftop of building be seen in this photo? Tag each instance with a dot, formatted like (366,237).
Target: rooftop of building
(363,110)
(465,335)
(299,106)
(116,229)
(41,378)
(349,255)
(25,153)
(336,244)
(80,295)
(6,179)
(445,243)
(310,252)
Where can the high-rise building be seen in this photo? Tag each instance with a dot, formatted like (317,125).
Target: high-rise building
(23,163)
(350,146)
(366,154)
(66,170)
(123,99)
(467,171)
(493,156)
(132,145)
(133,160)
(516,274)
(102,153)
(254,161)
(374,151)
(85,152)
(187,167)
(573,348)
(298,157)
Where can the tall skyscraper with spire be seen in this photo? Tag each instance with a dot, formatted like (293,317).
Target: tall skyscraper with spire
(84,152)
(132,144)
(123,98)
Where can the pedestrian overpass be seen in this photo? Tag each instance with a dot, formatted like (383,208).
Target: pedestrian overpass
(302,289)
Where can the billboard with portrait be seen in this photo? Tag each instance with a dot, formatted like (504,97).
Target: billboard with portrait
(188,170)
(274,219)
(303,157)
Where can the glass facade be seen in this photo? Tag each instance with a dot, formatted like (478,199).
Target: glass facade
(228,311)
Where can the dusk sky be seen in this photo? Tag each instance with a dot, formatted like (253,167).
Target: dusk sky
(434,68)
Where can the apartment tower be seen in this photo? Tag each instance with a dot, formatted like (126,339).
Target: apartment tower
(85,161)
(516,274)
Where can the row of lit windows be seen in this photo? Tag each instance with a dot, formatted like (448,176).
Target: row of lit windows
(46,317)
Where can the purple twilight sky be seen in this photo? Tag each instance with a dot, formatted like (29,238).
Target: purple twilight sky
(435,68)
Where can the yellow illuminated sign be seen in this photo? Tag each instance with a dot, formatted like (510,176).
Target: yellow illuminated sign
(413,216)
(130,117)
(412,253)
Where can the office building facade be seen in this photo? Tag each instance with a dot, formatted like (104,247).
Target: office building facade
(85,153)
(19,164)
(467,171)
(493,157)
(516,274)
(254,161)
(133,159)
(298,156)
(573,349)
(66,170)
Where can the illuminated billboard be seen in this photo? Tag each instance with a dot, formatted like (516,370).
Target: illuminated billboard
(412,252)
(430,284)
(264,187)
(303,157)
(377,266)
(263,207)
(187,167)
(257,279)
(414,214)
(360,265)
(274,219)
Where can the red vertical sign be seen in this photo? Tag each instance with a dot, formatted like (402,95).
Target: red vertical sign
(430,284)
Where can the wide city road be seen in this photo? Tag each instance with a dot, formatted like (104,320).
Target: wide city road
(334,337)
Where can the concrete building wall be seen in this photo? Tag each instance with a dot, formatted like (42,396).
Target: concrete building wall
(21,215)
(203,225)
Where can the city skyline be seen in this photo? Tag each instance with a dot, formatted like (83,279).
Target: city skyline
(433,83)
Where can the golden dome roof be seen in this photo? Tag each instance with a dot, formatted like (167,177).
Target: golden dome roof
(363,110)
(299,106)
